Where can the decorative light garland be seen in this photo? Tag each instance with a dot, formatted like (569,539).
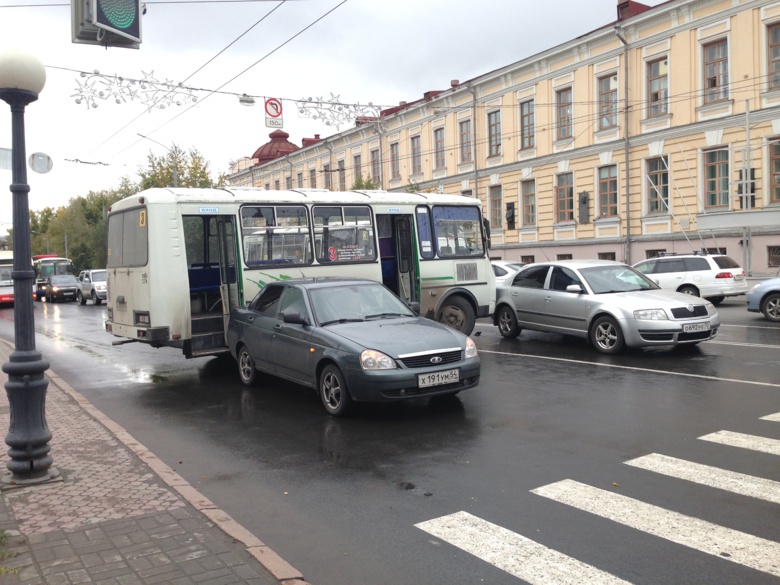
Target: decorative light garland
(333,112)
(150,91)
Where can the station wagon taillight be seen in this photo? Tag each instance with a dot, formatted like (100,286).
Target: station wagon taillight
(724,275)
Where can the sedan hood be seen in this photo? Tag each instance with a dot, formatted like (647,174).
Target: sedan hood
(661,297)
(400,336)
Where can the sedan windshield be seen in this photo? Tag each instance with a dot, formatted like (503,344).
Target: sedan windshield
(356,302)
(611,279)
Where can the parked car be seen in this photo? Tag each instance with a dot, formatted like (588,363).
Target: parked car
(607,302)
(712,276)
(92,286)
(505,270)
(352,340)
(60,287)
(764,298)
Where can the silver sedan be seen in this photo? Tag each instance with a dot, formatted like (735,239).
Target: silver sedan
(609,303)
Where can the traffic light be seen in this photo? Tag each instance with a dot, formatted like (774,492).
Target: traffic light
(111,23)
(119,17)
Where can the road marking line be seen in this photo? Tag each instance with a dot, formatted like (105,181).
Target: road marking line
(725,543)
(744,344)
(738,483)
(513,553)
(772,417)
(633,368)
(752,442)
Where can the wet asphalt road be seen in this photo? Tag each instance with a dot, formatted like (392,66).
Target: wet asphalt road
(339,499)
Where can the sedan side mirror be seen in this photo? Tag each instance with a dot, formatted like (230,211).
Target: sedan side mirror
(415,307)
(294,317)
(574,288)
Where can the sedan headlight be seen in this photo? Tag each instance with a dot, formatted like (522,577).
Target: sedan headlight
(754,287)
(471,348)
(55,289)
(711,310)
(370,359)
(651,315)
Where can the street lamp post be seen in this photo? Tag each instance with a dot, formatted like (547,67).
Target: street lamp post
(22,77)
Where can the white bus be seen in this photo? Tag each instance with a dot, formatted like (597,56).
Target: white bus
(6,278)
(180,259)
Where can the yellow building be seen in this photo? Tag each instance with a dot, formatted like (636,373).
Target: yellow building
(659,132)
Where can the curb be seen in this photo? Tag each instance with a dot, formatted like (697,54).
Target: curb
(280,569)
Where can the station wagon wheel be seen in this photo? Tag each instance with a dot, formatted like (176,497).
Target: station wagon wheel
(457,312)
(95,299)
(333,391)
(246,367)
(689,290)
(771,307)
(507,322)
(716,300)
(606,335)
(80,298)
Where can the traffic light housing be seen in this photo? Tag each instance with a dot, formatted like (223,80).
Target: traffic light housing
(111,23)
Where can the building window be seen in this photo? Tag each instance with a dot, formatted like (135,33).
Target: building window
(563,256)
(529,202)
(496,206)
(527,259)
(357,166)
(268,186)
(607,256)
(563,109)
(494,133)
(774,164)
(654,253)
(716,71)
(342,175)
(300,180)
(376,169)
(564,197)
(658,87)
(774,56)
(608,196)
(465,141)
(773,253)
(416,156)
(657,185)
(716,178)
(326,176)
(312,178)
(395,168)
(608,96)
(527,136)
(276,184)
(288,182)
(438,147)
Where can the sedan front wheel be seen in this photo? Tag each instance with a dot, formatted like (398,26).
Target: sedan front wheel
(606,335)
(246,367)
(333,391)
(771,308)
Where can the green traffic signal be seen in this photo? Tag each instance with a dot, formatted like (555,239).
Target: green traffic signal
(120,17)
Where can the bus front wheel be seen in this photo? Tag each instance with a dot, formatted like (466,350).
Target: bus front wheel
(457,312)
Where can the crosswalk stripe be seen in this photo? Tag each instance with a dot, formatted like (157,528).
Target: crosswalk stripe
(513,553)
(752,442)
(732,545)
(738,483)
(773,417)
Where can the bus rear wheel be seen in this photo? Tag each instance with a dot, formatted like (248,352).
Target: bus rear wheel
(457,312)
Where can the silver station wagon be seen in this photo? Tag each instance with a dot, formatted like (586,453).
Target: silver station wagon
(352,340)
(609,303)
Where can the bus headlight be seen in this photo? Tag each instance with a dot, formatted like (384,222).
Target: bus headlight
(370,359)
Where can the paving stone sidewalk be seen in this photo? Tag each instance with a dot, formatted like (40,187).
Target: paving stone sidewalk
(117,514)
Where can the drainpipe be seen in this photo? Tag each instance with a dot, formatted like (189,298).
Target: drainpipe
(473,91)
(626,139)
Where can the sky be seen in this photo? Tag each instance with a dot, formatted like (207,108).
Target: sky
(377,52)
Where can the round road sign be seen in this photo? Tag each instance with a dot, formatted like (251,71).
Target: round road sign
(273,107)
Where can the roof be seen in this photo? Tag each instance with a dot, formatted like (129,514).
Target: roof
(278,146)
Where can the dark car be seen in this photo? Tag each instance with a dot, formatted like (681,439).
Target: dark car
(352,340)
(60,287)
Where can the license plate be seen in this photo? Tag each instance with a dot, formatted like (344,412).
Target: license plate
(694,327)
(68,294)
(438,378)
(739,277)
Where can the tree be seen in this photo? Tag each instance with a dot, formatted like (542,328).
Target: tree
(191,170)
(364,184)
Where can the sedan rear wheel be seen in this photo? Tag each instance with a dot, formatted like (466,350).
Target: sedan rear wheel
(771,307)
(716,300)
(507,322)
(333,391)
(246,367)
(607,336)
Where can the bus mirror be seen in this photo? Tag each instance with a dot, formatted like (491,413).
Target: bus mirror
(415,306)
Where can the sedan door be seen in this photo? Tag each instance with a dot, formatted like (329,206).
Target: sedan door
(530,297)
(290,343)
(258,322)
(568,310)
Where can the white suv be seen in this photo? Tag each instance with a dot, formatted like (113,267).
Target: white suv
(712,276)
